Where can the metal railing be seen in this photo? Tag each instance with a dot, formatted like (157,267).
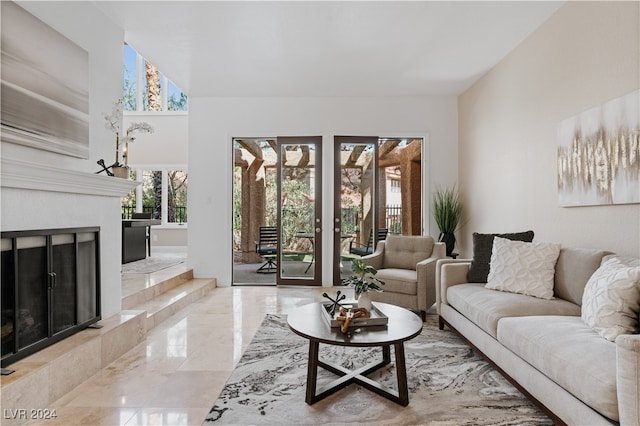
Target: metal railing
(177,214)
(393,219)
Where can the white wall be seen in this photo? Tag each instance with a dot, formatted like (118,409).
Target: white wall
(213,122)
(584,55)
(167,145)
(36,209)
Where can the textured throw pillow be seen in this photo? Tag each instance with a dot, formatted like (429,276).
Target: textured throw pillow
(482,246)
(525,268)
(611,299)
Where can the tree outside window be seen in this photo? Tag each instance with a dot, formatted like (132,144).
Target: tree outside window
(154,192)
(177,184)
(158,92)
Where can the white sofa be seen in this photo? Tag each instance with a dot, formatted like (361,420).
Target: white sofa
(543,346)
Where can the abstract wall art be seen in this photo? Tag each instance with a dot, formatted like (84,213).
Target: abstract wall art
(45,86)
(599,154)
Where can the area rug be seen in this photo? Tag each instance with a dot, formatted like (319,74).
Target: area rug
(154,263)
(448,385)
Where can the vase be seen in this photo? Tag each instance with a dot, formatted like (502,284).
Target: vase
(364,300)
(449,240)
(121,172)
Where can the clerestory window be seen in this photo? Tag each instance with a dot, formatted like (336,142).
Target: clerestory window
(145,88)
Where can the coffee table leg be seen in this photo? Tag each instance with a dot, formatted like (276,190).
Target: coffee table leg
(312,371)
(386,354)
(401,372)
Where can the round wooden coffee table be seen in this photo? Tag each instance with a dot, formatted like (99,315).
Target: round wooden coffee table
(308,321)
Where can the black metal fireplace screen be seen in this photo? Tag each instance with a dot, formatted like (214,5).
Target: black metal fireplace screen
(50,287)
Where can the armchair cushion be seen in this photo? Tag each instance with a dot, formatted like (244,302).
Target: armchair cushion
(404,252)
(403,281)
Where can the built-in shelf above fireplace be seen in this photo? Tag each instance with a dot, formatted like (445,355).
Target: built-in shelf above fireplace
(29,175)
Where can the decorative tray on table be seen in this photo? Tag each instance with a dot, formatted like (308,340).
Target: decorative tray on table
(377,317)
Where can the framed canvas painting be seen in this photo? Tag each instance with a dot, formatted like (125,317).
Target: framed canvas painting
(599,154)
(45,86)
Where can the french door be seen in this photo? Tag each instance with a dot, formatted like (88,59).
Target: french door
(377,191)
(278,184)
(299,205)
(356,216)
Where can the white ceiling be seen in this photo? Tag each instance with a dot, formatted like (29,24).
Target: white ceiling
(341,48)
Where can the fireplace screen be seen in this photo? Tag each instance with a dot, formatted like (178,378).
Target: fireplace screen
(50,287)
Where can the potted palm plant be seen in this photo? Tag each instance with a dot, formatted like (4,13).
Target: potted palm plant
(363,282)
(447,211)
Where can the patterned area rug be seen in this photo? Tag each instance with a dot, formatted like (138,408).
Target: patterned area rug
(448,385)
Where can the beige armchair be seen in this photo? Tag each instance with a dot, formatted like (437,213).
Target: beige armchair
(407,265)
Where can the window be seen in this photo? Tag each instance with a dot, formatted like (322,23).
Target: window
(163,193)
(177,196)
(177,100)
(130,83)
(139,76)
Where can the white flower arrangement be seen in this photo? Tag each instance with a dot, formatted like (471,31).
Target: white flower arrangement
(113,123)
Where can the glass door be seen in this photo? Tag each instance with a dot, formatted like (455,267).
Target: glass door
(299,183)
(378,192)
(356,218)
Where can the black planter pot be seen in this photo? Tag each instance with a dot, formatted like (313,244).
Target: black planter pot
(449,240)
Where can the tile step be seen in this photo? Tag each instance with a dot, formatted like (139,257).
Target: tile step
(171,301)
(59,368)
(146,290)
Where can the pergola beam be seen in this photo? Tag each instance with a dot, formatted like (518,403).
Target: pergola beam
(352,161)
(410,152)
(251,146)
(386,147)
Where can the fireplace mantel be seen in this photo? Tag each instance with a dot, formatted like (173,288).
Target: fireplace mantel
(22,174)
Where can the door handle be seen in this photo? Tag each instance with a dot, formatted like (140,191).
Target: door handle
(52,280)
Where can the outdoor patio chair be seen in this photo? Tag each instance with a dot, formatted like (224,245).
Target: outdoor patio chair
(267,247)
(362,249)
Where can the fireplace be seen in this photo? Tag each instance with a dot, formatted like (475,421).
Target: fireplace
(50,287)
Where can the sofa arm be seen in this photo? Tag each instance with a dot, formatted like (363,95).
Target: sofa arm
(449,272)
(628,378)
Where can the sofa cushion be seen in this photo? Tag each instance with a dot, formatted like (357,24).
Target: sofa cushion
(611,300)
(525,268)
(568,352)
(573,269)
(482,247)
(403,252)
(403,281)
(625,260)
(486,307)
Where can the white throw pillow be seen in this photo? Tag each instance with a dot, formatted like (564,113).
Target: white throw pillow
(611,299)
(525,268)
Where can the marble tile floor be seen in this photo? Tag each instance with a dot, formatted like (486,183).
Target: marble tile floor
(175,375)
